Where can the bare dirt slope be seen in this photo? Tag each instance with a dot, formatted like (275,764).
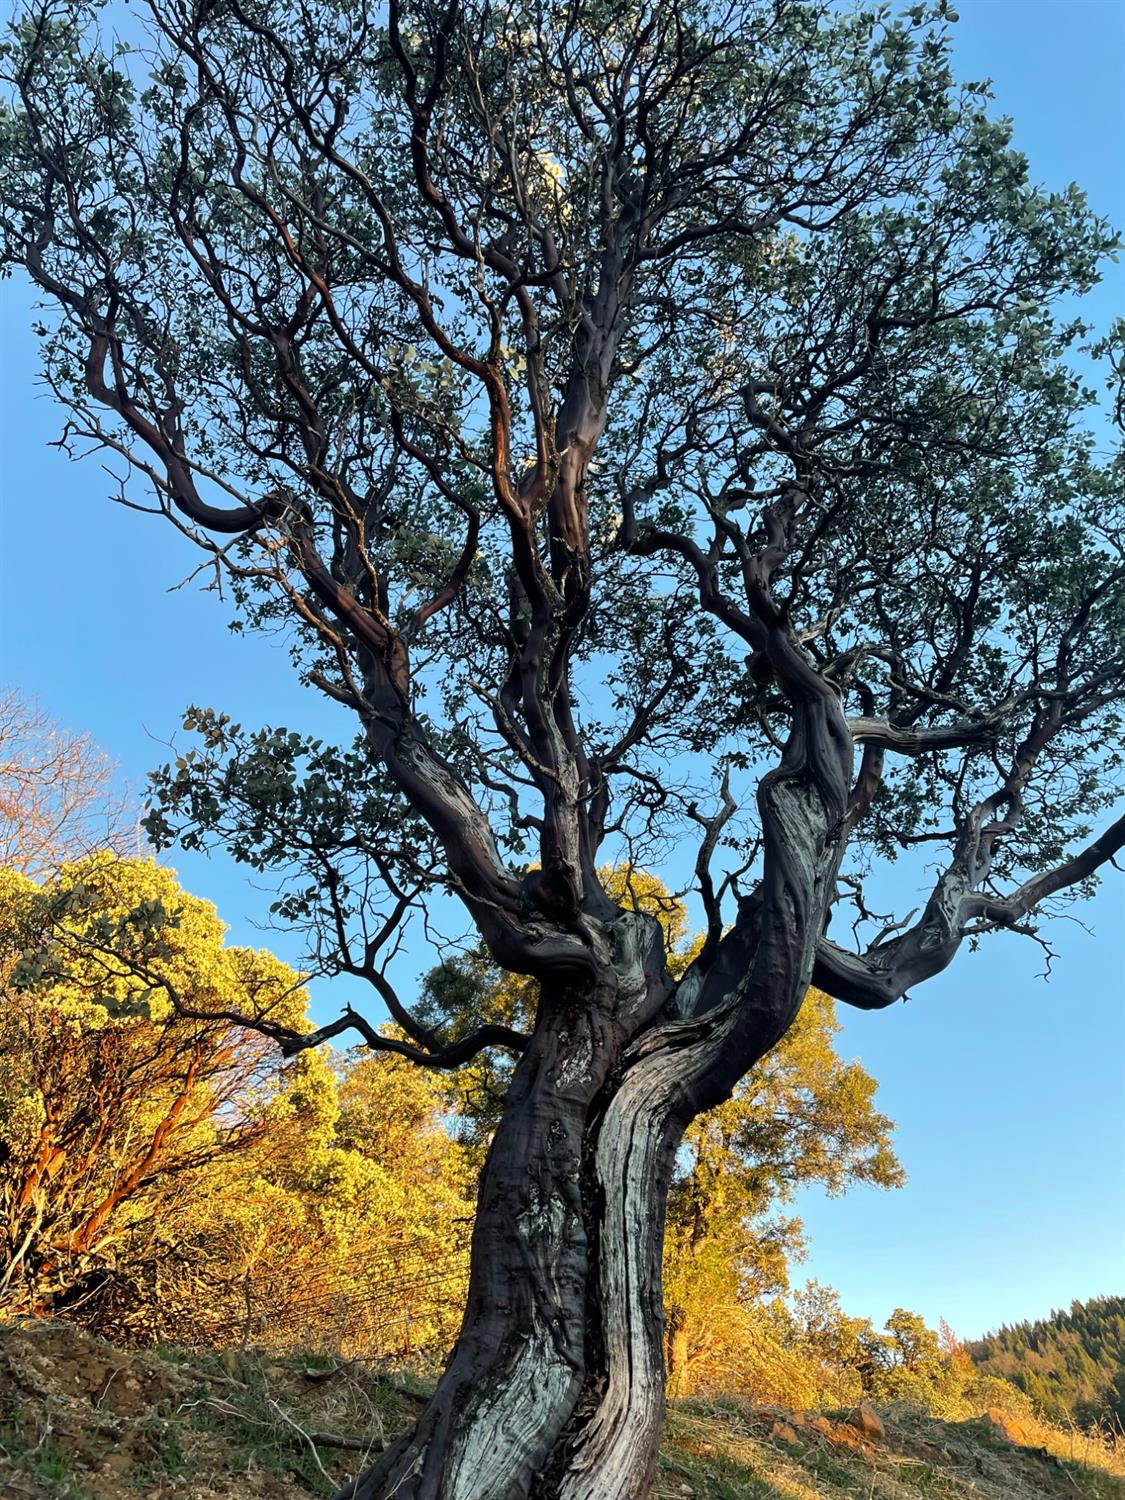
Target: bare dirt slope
(80,1420)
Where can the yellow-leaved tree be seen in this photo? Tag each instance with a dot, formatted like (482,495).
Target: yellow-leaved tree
(804,1115)
(346,1225)
(109,1097)
(164,1174)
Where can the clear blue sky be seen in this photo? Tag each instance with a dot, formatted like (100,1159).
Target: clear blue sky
(1009,1093)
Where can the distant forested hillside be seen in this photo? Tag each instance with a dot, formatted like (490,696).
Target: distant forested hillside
(1072,1364)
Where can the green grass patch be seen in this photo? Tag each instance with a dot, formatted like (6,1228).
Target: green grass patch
(40,1459)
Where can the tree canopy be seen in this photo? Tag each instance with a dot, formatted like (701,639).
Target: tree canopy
(784,277)
(107,1091)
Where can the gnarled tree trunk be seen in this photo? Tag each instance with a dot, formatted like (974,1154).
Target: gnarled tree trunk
(555,1389)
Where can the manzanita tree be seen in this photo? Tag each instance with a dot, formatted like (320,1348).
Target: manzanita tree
(649,421)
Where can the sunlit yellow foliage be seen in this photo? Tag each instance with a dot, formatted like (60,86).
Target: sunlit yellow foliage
(802,1115)
(107,1092)
(636,888)
(164,1173)
(907,1365)
(345,1225)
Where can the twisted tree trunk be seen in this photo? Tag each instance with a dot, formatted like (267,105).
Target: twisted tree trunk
(555,1389)
(537,1337)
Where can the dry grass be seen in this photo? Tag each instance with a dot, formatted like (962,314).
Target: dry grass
(80,1420)
(728,1451)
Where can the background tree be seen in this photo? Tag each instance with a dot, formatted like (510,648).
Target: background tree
(163,1176)
(843,1360)
(344,1225)
(108,1094)
(260,1182)
(638,416)
(803,1116)
(57,794)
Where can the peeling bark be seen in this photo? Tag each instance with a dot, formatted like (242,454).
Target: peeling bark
(521,1361)
(613,1449)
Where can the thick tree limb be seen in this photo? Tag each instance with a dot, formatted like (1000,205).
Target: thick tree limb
(887,736)
(1002,912)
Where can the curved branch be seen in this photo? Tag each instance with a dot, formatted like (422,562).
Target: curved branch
(451,1056)
(1003,913)
(877,978)
(290,1041)
(712,827)
(881,734)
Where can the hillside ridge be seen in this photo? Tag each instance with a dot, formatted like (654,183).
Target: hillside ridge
(1071,1365)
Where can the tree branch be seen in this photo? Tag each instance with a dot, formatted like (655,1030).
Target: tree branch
(884,974)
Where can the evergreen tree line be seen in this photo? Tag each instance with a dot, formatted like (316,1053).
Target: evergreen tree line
(1071,1365)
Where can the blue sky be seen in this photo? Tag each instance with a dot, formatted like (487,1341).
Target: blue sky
(1009,1092)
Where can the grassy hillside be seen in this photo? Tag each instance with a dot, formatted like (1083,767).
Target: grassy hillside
(1071,1364)
(80,1420)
